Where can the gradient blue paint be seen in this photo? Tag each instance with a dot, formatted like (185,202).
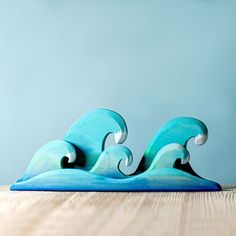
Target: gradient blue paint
(110,160)
(178,130)
(166,179)
(88,135)
(168,155)
(149,60)
(49,157)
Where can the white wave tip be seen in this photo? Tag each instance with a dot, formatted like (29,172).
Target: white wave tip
(71,157)
(185,159)
(200,139)
(120,137)
(128,160)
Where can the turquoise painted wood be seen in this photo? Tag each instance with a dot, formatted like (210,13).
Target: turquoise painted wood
(81,162)
(89,133)
(178,130)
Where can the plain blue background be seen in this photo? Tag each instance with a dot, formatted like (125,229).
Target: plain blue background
(148,60)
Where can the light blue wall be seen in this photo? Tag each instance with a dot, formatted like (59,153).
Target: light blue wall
(148,60)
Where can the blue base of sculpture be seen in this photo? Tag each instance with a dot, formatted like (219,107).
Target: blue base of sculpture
(165,179)
(81,162)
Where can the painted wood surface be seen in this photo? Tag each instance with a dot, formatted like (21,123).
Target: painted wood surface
(81,162)
(113,213)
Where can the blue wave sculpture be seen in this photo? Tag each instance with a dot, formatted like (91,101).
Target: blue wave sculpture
(81,162)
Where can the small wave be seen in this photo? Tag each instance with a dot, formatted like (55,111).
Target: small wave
(50,157)
(110,161)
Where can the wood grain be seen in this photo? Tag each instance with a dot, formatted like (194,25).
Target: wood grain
(96,213)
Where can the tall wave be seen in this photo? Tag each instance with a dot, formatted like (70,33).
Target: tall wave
(178,130)
(89,133)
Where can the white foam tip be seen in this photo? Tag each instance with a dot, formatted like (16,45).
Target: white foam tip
(120,137)
(200,139)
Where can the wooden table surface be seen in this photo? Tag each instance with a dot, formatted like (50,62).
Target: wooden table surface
(97,213)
